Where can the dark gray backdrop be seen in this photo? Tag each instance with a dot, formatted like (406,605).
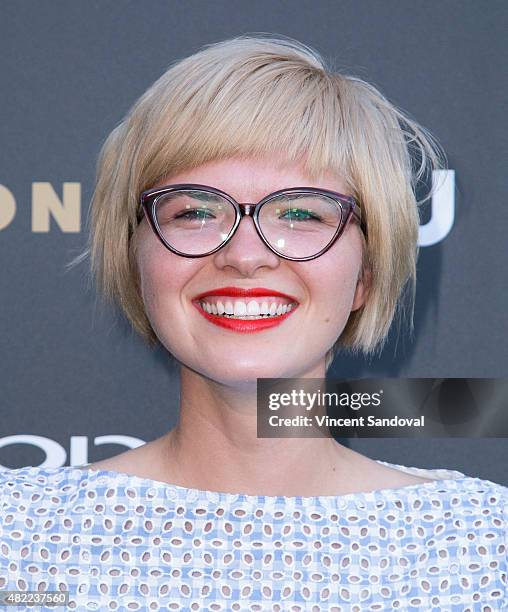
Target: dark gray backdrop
(71,373)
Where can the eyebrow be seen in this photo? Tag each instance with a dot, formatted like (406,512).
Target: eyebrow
(204,196)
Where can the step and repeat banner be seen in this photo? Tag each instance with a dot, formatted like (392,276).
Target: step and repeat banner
(76,384)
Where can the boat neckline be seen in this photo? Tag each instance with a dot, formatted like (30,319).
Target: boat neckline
(450,479)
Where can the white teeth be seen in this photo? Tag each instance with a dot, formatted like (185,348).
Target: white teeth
(253,308)
(240,309)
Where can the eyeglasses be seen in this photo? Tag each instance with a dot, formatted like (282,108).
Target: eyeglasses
(299,224)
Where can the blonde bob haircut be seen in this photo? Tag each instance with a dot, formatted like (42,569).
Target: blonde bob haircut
(258,95)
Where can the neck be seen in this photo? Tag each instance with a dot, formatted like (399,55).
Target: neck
(215,446)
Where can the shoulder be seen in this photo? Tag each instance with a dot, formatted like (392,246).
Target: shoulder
(36,477)
(454,507)
(472,496)
(480,494)
(463,484)
(449,483)
(466,510)
(30,498)
(37,491)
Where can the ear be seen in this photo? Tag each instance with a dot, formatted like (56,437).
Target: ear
(362,291)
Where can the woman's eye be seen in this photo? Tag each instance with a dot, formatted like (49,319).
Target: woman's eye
(196,213)
(299,214)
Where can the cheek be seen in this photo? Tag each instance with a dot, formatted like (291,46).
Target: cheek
(338,299)
(159,276)
(332,285)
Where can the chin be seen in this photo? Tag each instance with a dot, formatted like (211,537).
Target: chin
(233,374)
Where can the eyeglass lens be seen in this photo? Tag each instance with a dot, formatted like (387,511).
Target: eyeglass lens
(196,222)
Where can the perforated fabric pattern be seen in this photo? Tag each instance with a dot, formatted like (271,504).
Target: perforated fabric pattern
(119,542)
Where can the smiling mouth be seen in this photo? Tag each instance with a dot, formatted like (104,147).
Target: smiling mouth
(268,307)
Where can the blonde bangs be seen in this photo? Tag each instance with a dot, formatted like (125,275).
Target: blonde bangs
(276,107)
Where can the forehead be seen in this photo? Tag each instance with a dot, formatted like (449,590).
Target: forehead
(254,177)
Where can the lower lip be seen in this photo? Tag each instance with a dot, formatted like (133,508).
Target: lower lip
(244,326)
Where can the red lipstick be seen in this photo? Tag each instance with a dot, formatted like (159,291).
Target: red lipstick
(239,325)
(239,292)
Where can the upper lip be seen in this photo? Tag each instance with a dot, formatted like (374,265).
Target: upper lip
(245,293)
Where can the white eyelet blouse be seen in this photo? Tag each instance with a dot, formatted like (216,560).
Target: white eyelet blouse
(121,542)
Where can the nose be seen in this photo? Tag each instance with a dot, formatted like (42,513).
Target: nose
(246,252)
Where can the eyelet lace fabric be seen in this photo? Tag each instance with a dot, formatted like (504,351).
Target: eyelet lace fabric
(120,542)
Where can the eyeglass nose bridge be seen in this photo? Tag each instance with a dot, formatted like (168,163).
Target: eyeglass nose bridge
(246,209)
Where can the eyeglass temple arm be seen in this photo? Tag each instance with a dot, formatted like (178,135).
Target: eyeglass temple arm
(360,220)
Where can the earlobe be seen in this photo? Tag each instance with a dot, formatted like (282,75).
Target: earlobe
(362,289)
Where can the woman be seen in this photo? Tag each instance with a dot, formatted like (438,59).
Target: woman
(209,516)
